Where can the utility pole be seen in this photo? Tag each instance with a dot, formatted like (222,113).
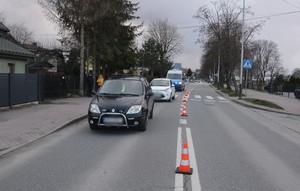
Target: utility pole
(81,93)
(242,52)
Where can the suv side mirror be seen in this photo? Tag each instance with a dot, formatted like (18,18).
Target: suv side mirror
(150,93)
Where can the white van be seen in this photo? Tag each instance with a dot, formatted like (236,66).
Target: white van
(178,79)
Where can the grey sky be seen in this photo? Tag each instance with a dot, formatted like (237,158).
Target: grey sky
(284,30)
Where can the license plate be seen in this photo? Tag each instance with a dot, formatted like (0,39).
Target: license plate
(113,120)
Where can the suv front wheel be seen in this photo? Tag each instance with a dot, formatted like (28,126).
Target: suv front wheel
(143,126)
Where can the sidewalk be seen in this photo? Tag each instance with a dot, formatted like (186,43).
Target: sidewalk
(20,126)
(290,105)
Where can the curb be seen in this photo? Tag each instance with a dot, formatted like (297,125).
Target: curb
(255,106)
(73,121)
(263,108)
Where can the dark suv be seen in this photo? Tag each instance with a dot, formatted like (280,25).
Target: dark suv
(122,101)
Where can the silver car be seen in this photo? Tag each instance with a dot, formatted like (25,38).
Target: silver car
(165,87)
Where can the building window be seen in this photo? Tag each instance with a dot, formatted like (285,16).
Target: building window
(11,68)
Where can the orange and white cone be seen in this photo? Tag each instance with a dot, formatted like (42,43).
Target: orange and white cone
(184,113)
(184,99)
(184,167)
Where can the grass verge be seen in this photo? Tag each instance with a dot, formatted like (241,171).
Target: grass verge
(230,93)
(263,103)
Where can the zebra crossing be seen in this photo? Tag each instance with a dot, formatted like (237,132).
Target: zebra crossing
(209,98)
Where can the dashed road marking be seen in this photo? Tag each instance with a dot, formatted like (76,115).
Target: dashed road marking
(182,122)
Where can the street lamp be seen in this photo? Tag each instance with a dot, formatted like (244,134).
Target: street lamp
(242,52)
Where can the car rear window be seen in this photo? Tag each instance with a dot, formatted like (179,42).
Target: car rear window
(160,83)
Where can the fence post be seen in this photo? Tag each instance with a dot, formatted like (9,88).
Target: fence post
(9,90)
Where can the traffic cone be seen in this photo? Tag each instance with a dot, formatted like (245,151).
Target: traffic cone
(184,99)
(184,167)
(184,113)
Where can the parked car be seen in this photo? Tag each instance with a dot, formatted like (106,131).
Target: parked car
(125,101)
(165,87)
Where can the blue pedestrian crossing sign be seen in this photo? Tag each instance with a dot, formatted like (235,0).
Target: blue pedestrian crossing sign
(247,64)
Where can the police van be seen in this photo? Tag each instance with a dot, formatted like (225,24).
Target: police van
(178,79)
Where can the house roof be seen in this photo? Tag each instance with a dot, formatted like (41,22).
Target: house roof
(9,48)
(40,65)
(3,28)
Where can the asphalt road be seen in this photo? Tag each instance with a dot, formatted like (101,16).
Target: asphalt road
(230,148)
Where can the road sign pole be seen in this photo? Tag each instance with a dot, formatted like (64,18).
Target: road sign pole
(242,52)
(246,85)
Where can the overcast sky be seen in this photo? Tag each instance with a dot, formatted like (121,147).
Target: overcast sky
(284,30)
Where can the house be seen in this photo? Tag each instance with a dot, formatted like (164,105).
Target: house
(13,57)
(47,60)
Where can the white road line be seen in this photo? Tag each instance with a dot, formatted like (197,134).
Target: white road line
(193,162)
(182,122)
(209,97)
(209,100)
(197,96)
(221,98)
(195,99)
(178,177)
(225,101)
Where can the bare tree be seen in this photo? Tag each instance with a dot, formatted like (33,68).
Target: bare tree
(221,27)
(168,41)
(167,36)
(2,18)
(18,31)
(21,33)
(267,60)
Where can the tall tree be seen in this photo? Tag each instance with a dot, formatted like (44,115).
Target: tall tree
(96,24)
(168,38)
(74,16)
(267,60)
(149,56)
(221,26)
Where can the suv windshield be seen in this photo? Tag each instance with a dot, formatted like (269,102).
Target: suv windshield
(174,76)
(124,87)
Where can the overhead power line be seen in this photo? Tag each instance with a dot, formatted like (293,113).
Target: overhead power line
(275,15)
(293,5)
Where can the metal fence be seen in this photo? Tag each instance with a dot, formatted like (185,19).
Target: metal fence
(25,88)
(58,85)
(20,88)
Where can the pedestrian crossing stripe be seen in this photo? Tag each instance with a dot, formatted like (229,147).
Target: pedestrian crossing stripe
(221,98)
(209,97)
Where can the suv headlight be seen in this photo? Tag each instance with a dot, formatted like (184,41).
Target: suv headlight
(94,108)
(134,109)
